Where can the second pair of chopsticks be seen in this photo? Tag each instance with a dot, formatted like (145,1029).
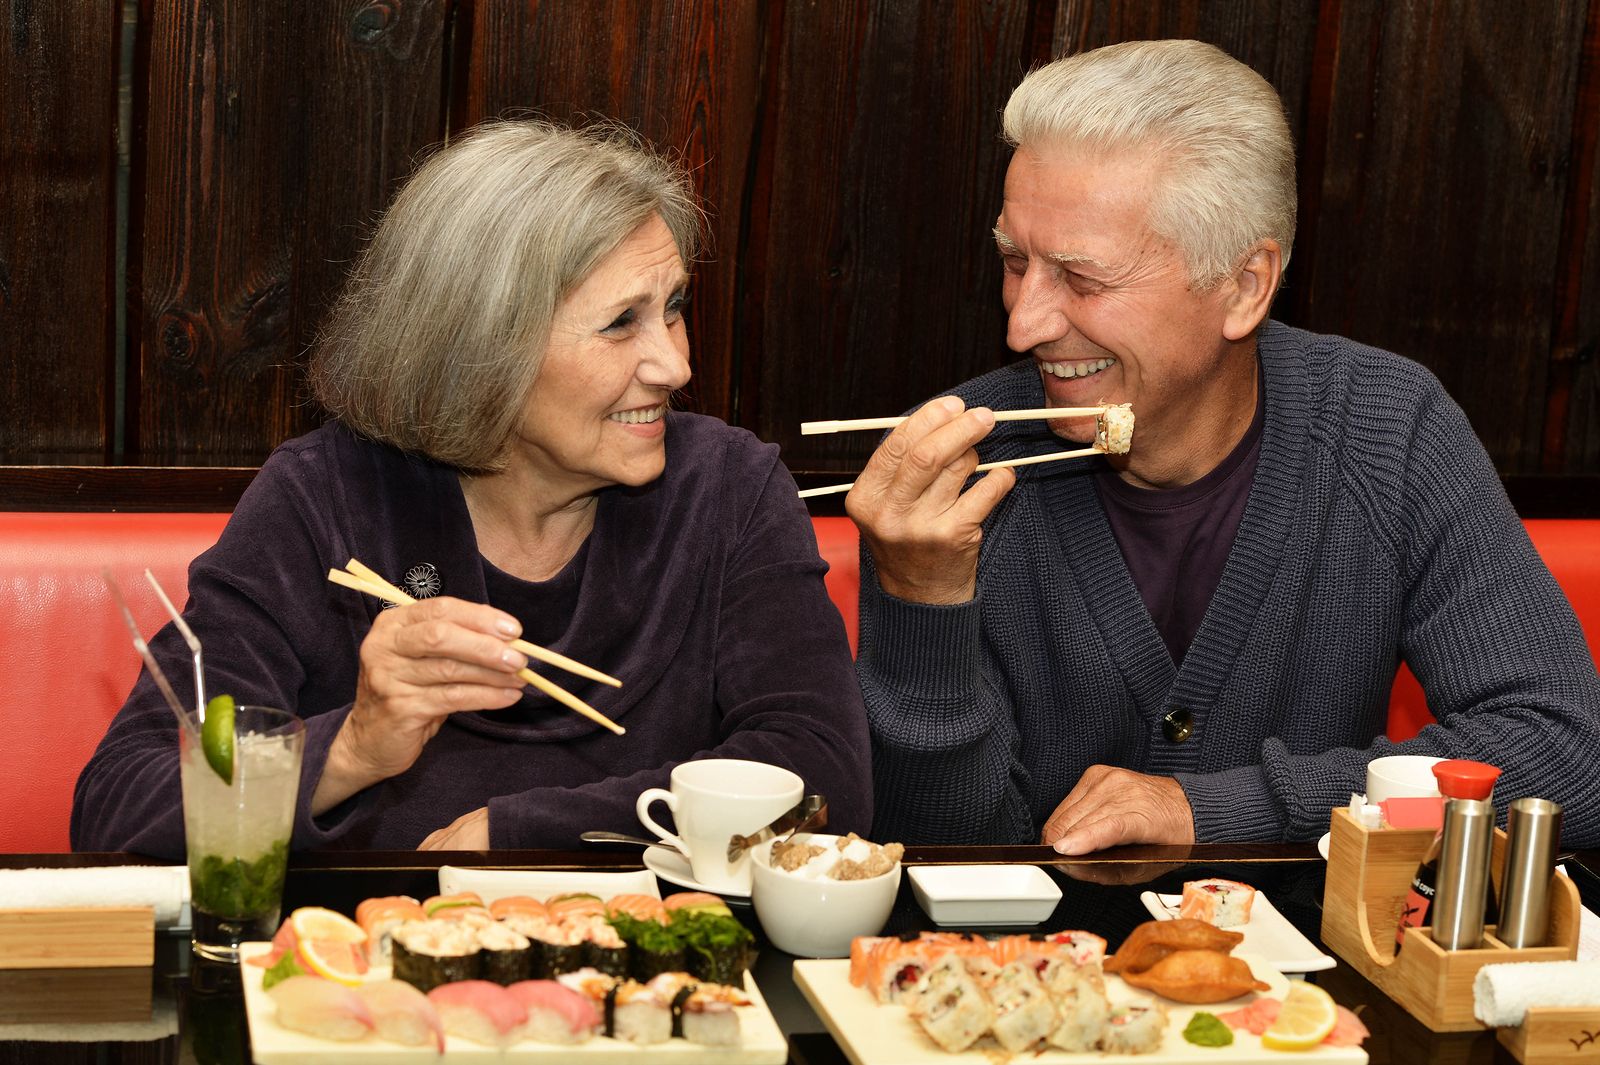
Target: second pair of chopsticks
(361,578)
(1031,460)
(848,425)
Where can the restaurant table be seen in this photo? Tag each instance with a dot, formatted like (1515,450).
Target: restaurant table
(192,1012)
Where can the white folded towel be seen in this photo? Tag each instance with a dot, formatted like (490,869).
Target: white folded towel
(1502,994)
(165,888)
(163,1022)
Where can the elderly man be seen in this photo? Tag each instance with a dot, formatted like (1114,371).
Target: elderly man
(1195,640)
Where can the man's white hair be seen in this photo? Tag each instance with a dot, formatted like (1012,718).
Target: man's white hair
(1214,128)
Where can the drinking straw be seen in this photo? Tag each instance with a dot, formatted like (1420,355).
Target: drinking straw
(191,639)
(184,721)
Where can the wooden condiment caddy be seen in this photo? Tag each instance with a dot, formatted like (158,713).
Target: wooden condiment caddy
(1369,873)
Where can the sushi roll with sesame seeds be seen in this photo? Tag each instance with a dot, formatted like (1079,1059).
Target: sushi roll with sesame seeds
(1134,1029)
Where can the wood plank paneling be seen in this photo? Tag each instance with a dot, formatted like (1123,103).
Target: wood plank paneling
(1441,199)
(274,132)
(684,73)
(58,145)
(874,278)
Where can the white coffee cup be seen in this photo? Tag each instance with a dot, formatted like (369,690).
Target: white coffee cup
(713,800)
(1401,776)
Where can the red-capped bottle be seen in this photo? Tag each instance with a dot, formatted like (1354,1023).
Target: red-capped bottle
(1458,779)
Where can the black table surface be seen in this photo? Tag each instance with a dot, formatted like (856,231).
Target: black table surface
(66,1010)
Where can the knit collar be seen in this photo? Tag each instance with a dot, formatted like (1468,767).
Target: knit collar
(1088,546)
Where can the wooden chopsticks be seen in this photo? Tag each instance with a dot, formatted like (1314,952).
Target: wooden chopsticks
(1031,460)
(361,578)
(1031,414)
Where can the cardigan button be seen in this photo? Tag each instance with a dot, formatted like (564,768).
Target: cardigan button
(1177,725)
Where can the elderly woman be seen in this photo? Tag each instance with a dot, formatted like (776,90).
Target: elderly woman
(500,369)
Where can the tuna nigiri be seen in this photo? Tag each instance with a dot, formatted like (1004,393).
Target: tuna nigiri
(321,1008)
(402,1014)
(480,1011)
(556,1014)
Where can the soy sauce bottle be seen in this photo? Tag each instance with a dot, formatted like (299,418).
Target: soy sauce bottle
(1458,779)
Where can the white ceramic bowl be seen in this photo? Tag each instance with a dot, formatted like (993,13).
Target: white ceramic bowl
(1401,776)
(975,895)
(818,917)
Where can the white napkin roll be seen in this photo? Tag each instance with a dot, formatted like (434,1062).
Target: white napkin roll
(165,888)
(163,1022)
(1502,994)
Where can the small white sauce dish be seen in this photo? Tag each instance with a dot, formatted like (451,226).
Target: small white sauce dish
(979,895)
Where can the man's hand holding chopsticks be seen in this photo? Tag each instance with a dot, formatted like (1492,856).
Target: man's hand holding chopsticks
(922,530)
(420,663)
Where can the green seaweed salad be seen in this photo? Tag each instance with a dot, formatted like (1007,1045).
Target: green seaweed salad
(709,943)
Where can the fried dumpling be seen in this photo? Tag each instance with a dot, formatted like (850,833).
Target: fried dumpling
(1197,976)
(1150,942)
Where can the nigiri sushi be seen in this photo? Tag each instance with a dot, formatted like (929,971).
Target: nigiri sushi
(321,1008)
(402,1014)
(556,1014)
(480,1011)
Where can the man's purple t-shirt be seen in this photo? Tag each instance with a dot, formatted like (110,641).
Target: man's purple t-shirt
(1175,541)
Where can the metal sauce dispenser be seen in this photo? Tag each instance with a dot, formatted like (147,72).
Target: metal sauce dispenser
(1533,832)
(1463,884)
(1458,778)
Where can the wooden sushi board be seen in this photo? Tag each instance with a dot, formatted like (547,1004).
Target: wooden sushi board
(763,1043)
(871,1034)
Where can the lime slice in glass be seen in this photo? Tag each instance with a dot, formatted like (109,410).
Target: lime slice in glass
(216,736)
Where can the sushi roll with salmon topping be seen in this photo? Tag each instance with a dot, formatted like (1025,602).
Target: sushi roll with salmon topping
(379,918)
(480,1011)
(434,952)
(639,907)
(563,907)
(1023,1011)
(527,905)
(950,1006)
(1224,903)
(556,1014)
(454,906)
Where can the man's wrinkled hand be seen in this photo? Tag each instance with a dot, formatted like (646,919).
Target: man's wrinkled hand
(1109,807)
(469,832)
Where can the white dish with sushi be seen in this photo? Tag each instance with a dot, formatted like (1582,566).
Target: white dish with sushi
(1268,934)
(492,884)
(873,1034)
(761,1041)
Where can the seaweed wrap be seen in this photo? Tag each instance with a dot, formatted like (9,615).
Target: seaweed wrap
(653,948)
(433,952)
(505,956)
(717,948)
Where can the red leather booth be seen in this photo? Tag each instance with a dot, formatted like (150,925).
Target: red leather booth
(69,660)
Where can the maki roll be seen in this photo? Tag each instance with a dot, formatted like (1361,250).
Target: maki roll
(430,953)
(1224,903)
(505,956)
(603,948)
(1081,1007)
(950,1006)
(1023,1011)
(653,947)
(717,947)
(380,917)
(557,948)
(1134,1029)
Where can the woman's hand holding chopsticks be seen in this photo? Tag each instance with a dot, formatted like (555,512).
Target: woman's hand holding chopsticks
(420,663)
(922,530)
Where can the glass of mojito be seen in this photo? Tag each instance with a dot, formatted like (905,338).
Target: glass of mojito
(241,775)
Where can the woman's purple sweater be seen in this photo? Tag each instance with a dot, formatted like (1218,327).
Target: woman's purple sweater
(702,591)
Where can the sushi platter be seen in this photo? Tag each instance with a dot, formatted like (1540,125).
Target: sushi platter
(874,1034)
(761,1043)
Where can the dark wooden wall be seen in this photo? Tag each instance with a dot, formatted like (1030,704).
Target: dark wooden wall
(848,154)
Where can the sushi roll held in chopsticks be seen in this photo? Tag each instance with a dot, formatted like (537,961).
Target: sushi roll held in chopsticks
(1113,429)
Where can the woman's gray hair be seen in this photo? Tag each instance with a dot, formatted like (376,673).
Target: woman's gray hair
(440,332)
(1214,126)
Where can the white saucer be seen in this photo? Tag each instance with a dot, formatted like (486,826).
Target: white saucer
(1268,934)
(673,867)
(1323,844)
